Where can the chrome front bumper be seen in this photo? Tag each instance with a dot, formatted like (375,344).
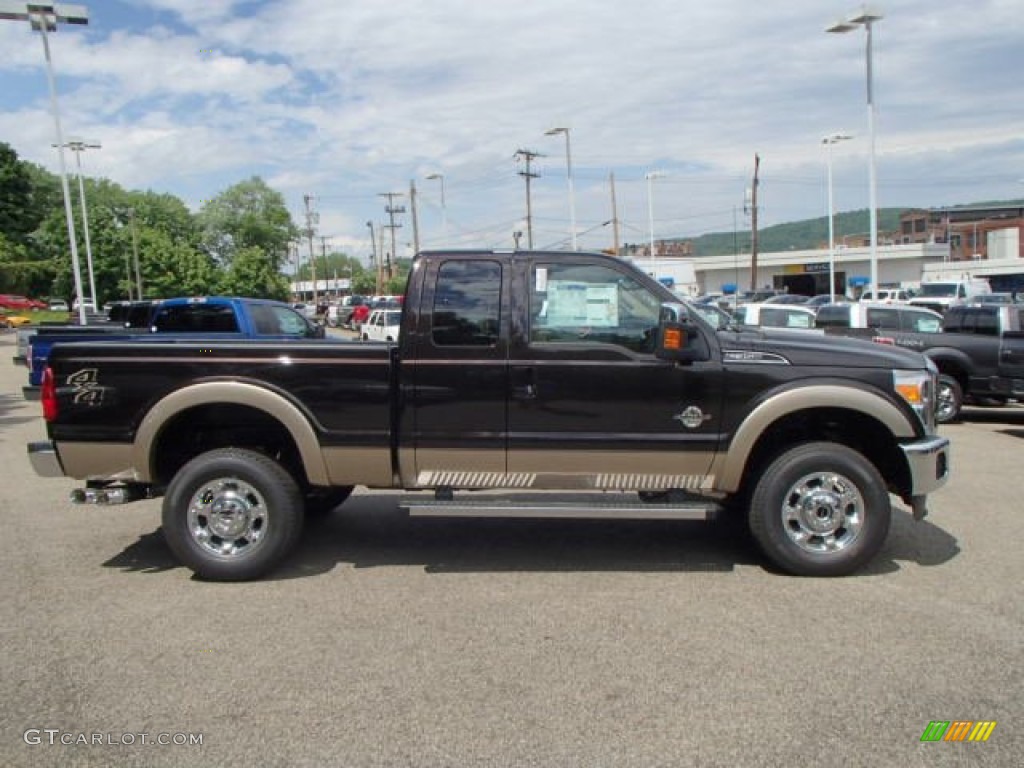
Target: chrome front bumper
(928,461)
(44,459)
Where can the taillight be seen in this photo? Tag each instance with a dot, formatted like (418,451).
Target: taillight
(48,395)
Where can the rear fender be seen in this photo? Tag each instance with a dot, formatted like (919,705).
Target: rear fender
(236,393)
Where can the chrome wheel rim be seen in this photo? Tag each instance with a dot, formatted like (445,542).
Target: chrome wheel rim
(227,518)
(823,513)
(945,403)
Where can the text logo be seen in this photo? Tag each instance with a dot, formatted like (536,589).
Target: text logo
(958,730)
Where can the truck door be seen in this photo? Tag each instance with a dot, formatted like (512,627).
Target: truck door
(456,375)
(1011,353)
(590,406)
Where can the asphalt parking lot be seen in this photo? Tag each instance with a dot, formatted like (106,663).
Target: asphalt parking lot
(389,641)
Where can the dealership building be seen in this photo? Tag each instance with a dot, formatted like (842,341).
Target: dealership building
(931,244)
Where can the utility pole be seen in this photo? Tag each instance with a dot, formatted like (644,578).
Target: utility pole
(615,216)
(753,225)
(312,217)
(323,255)
(391,209)
(380,262)
(528,156)
(415,218)
(135,252)
(374,261)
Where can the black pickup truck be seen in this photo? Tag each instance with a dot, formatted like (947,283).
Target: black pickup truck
(571,383)
(979,354)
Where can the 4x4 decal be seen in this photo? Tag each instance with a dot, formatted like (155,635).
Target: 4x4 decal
(87,388)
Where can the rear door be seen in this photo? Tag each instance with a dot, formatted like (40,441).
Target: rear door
(456,374)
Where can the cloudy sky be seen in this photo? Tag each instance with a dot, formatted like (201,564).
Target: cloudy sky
(348,99)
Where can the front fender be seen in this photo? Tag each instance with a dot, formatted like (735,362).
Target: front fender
(732,463)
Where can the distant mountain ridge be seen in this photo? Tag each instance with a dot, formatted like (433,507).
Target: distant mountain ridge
(809,233)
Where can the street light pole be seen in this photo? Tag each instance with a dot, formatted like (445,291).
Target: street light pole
(828,141)
(444,209)
(651,176)
(78,146)
(866,17)
(44,18)
(572,196)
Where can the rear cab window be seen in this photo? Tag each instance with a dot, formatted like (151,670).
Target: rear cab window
(196,318)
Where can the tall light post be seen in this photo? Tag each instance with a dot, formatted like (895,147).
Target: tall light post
(866,17)
(572,197)
(78,146)
(828,141)
(651,176)
(44,18)
(444,209)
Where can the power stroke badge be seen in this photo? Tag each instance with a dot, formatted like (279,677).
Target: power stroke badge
(691,417)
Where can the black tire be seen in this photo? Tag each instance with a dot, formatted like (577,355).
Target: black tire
(232,514)
(950,400)
(320,502)
(820,509)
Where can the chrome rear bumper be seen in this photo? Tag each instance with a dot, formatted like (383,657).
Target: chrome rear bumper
(43,457)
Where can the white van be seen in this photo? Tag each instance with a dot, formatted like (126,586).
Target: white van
(940,295)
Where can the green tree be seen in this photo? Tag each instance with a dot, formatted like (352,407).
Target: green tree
(18,215)
(252,273)
(247,215)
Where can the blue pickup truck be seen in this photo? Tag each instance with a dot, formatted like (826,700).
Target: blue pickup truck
(217,317)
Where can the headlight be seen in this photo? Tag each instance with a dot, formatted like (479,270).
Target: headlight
(918,389)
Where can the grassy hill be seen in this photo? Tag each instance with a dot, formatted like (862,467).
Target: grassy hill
(809,233)
(795,235)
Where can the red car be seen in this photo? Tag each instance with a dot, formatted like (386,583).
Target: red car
(359,315)
(12,301)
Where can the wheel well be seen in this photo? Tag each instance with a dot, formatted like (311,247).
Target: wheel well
(953,369)
(222,425)
(853,429)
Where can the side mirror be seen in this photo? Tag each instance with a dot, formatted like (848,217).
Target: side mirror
(679,338)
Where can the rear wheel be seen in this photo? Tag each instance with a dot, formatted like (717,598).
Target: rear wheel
(232,514)
(820,509)
(949,399)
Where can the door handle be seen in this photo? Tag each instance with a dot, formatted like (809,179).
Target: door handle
(527,390)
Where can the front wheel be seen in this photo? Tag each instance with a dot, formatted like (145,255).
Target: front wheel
(232,514)
(820,509)
(949,399)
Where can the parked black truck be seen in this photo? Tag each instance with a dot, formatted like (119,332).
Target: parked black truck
(979,354)
(571,383)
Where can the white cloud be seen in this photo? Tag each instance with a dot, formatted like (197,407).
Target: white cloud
(350,99)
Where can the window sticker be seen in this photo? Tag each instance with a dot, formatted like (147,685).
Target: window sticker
(572,303)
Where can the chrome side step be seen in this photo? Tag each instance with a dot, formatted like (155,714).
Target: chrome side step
(581,506)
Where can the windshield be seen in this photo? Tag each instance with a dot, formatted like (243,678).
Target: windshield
(938,290)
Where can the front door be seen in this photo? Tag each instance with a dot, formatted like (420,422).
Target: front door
(590,406)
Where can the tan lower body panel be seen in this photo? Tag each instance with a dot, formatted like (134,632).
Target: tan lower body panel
(101,461)
(359,466)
